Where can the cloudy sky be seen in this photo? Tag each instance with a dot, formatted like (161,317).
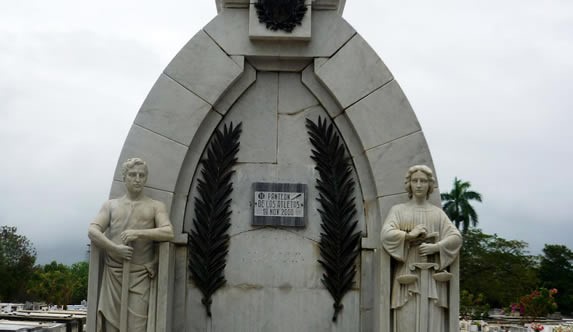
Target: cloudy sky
(490,81)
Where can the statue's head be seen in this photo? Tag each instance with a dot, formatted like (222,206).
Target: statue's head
(419,169)
(134,172)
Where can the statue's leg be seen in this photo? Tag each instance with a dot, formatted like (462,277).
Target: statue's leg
(138,306)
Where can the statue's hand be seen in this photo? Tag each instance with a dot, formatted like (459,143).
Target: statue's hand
(429,248)
(122,252)
(129,235)
(418,231)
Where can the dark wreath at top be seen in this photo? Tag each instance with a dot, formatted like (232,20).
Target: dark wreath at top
(281,14)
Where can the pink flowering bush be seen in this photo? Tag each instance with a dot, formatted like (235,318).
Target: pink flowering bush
(538,303)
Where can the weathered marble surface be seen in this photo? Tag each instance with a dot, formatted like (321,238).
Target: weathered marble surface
(424,244)
(125,231)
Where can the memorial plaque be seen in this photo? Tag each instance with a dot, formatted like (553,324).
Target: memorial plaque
(279,204)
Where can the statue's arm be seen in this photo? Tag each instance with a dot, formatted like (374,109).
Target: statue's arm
(393,239)
(163,230)
(451,242)
(96,235)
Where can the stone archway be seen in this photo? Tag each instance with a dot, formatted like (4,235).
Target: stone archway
(335,72)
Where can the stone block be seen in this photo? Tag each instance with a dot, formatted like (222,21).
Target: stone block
(326,4)
(293,140)
(163,156)
(318,62)
(191,161)
(258,30)
(367,188)
(195,315)
(234,92)
(353,72)
(235,3)
(389,162)
(351,138)
(294,97)
(177,216)
(257,109)
(310,80)
(273,258)
(283,310)
(382,116)
(368,294)
(203,68)
(180,289)
(329,32)
(383,303)
(172,111)
(165,285)
(278,64)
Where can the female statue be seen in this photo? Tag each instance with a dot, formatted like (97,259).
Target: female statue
(423,242)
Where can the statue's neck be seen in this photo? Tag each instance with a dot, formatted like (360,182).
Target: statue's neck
(419,202)
(134,196)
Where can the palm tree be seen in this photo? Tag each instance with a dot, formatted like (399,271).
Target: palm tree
(457,205)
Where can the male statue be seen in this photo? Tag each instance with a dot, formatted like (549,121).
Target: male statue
(423,243)
(126,228)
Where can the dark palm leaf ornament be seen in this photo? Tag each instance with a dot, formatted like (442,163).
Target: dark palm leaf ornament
(281,14)
(209,240)
(339,241)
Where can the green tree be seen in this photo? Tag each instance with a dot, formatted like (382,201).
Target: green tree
(17,258)
(556,271)
(457,205)
(80,273)
(52,283)
(500,269)
(60,284)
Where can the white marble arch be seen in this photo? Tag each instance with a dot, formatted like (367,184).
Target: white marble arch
(199,86)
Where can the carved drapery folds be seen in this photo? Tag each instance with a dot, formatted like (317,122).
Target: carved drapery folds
(209,240)
(339,241)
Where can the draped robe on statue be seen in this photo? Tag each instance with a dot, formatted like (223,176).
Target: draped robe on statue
(407,276)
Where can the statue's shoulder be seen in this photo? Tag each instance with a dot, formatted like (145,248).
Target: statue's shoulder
(399,207)
(436,208)
(155,203)
(114,202)
(109,203)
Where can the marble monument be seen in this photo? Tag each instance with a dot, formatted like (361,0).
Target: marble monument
(314,103)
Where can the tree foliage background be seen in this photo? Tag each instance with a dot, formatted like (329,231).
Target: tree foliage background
(496,269)
(556,271)
(17,259)
(21,280)
(496,272)
(56,283)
